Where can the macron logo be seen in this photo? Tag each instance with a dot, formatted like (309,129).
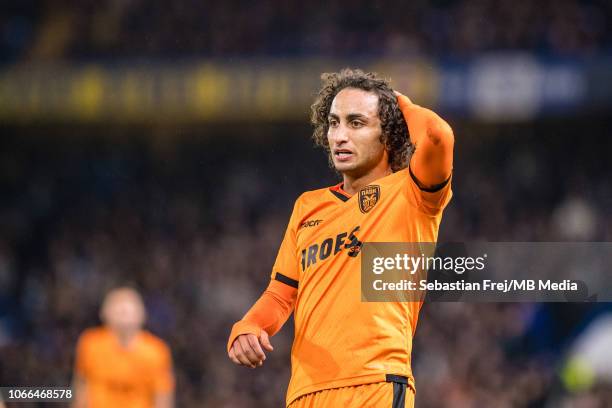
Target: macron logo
(310,223)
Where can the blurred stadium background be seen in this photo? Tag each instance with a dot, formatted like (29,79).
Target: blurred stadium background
(163,143)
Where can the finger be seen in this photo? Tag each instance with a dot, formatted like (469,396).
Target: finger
(256,347)
(232,356)
(241,355)
(247,346)
(248,351)
(402,99)
(265,340)
(238,353)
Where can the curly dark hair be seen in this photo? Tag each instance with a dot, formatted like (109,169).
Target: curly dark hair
(394,130)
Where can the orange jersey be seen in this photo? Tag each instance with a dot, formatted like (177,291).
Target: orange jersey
(123,377)
(340,340)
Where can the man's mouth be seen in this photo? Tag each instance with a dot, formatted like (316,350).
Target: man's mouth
(343,154)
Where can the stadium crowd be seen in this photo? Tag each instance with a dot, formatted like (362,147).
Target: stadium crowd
(52,29)
(194,222)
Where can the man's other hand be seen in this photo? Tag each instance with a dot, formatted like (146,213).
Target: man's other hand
(247,349)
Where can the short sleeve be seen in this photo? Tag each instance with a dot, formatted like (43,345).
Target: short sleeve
(286,266)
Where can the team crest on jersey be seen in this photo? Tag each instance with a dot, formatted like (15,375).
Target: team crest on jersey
(368,197)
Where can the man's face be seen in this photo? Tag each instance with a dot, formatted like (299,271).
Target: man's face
(354,132)
(123,311)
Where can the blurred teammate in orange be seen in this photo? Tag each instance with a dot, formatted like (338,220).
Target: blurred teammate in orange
(119,364)
(395,158)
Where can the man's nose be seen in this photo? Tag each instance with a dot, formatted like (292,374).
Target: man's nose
(341,134)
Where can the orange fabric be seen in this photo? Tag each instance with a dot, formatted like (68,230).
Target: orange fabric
(120,377)
(269,313)
(338,188)
(432,161)
(339,340)
(376,395)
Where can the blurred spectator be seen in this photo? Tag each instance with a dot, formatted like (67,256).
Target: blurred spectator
(48,29)
(575,219)
(590,360)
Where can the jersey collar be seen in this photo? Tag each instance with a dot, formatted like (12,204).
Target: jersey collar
(339,192)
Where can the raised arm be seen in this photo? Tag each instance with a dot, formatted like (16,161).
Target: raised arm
(432,161)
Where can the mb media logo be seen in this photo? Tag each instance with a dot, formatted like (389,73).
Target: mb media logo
(310,223)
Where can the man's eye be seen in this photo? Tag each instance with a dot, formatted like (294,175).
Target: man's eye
(333,123)
(356,123)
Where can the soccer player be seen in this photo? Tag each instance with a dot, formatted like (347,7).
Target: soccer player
(395,159)
(120,364)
